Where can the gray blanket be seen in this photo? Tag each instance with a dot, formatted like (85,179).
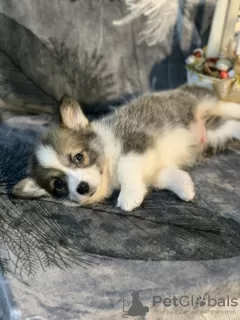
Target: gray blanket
(99,263)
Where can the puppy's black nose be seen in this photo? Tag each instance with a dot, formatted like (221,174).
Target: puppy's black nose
(83,187)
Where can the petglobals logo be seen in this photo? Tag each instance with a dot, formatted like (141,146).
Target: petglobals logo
(194,300)
(136,307)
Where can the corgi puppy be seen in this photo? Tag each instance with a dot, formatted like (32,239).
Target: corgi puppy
(145,144)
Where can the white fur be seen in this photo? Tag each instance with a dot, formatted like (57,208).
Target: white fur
(174,147)
(48,157)
(177,181)
(90,175)
(132,173)
(29,186)
(136,172)
(218,137)
(112,149)
(229,109)
(214,107)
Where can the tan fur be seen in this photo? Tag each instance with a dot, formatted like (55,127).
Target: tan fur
(103,190)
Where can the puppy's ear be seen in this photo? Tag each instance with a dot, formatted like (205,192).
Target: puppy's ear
(71,115)
(28,189)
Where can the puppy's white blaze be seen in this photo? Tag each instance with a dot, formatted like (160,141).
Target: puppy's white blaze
(48,157)
(90,175)
(73,182)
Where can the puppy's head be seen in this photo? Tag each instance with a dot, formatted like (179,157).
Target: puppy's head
(68,162)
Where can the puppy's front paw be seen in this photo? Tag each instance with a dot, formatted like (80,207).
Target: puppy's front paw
(130,199)
(184,187)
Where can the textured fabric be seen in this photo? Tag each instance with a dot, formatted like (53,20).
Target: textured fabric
(53,250)
(73,46)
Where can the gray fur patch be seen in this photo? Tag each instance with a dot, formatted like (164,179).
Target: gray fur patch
(213,123)
(138,124)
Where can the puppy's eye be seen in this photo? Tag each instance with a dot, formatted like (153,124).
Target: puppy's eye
(79,157)
(59,184)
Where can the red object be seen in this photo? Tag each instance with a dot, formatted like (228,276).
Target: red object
(223,74)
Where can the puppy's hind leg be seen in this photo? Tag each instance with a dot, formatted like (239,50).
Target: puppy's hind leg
(217,108)
(230,110)
(218,137)
(227,111)
(177,181)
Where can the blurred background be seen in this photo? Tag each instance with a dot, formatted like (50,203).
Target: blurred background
(100,52)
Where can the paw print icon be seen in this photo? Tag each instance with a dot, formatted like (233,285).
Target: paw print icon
(201,301)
